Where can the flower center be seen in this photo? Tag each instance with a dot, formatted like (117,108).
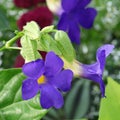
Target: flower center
(41,79)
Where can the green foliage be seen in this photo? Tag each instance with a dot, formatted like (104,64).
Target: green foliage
(12,107)
(58,42)
(31,30)
(4,23)
(31,33)
(48,29)
(110,106)
(8,25)
(29,49)
(65,46)
(47,43)
(82,87)
(77,103)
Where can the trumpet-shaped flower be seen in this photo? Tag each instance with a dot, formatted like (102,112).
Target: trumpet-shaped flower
(76,13)
(94,71)
(48,78)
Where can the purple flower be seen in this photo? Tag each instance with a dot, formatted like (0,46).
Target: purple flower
(94,71)
(76,14)
(48,78)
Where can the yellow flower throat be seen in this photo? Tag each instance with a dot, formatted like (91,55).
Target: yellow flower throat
(41,79)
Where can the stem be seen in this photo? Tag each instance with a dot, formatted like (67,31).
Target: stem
(15,48)
(11,41)
(2,48)
(54,30)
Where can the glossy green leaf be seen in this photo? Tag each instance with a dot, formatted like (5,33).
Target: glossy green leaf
(4,24)
(84,100)
(77,101)
(71,98)
(29,49)
(53,114)
(65,46)
(12,107)
(110,106)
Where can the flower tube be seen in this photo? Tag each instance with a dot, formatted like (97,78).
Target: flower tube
(93,71)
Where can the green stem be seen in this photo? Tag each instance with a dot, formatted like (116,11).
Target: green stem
(11,41)
(54,30)
(2,48)
(15,48)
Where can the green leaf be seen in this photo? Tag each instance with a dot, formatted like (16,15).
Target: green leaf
(29,49)
(47,43)
(32,30)
(4,24)
(48,29)
(84,101)
(77,101)
(65,46)
(71,98)
(110,106)
(12,107)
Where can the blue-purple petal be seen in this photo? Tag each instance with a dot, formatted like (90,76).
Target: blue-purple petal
(63,80)
(83,3)
(68,5)
(102,87)
(86,17)
(107,48)
(90,69)
(75,14)
(50,97)
(74,32)
(91,75)
(53,64)
(98,79)
(63,22)
(101,60)
(102,53)
(34,69)
(29,88)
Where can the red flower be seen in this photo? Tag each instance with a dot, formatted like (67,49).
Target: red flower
(41,15)
(19,62)
(27,3)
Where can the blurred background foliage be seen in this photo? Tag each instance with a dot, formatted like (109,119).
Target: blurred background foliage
(83,100)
